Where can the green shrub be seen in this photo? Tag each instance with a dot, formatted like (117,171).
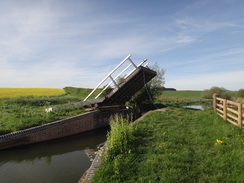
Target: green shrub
(221,92)
(119,137)
(240,93)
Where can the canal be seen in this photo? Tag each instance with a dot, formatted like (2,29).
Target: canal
(59,161)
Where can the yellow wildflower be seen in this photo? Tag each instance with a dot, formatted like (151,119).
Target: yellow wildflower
(218,142)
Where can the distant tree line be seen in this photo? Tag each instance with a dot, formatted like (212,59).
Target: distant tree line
(221,92)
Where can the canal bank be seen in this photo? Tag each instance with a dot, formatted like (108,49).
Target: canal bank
(62,128)
(87,176)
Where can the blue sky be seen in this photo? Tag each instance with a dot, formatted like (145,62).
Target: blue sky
(58,43)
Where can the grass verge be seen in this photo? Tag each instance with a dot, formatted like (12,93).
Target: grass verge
(24,112)
(179,145)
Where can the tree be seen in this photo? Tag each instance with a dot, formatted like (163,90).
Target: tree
(222,92)
(149,91)
(157,83)
(240,93)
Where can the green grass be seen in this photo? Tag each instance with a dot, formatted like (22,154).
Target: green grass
(24,112)
(187,94)
(18,112)
(179,145)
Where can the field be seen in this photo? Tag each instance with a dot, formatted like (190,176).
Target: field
(187,94)
(27,92)
(22,108)
(180,98)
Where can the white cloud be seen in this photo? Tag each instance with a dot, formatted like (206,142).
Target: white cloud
(198,25)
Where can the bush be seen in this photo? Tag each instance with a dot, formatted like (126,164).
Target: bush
(221,92)
(119,138)
(240,93)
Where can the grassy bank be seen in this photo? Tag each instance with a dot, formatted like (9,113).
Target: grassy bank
(24,112)
(21,108)
(178,145)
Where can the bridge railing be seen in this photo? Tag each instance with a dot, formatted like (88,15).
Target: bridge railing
(113,79)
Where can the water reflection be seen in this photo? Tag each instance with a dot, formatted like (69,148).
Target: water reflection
(58,161)
(195,107)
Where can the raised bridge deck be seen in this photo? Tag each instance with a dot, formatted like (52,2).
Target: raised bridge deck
(123,92)
(136,80)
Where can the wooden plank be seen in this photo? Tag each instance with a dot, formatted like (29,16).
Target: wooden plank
(133,83)
(233,117)
(232,102)
(232,110)
(220,115)
(220,105)
(232,122)
(231,106)
(220,111)
(220,99)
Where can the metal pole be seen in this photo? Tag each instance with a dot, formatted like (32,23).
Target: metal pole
(136,67)
(132,62)
(106,77)
(112,81)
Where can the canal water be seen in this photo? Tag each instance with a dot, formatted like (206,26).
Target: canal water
(59,161)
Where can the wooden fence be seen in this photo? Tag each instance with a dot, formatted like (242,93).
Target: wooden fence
(230,111)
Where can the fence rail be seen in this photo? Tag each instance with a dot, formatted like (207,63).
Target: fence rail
(230,111)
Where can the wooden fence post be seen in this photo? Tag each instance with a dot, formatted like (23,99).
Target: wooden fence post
(214,102)
(240,115)
(225,109)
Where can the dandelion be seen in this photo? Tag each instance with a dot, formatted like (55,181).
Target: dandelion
(218,142)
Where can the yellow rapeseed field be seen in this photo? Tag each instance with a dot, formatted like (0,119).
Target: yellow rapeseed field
(26,92)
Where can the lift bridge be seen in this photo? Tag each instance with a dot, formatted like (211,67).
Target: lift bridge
(122,92)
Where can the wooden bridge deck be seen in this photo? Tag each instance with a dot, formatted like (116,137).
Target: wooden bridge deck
(131,85)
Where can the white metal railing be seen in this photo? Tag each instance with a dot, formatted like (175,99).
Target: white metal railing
(113,80)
